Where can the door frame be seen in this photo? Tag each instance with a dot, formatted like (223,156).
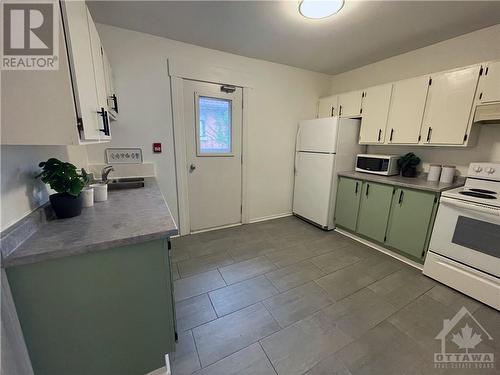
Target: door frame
(180,69)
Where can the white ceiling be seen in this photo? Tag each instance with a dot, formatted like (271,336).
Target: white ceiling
(362,33)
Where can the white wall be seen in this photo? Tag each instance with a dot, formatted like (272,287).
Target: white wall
(475,47)
(20,192)
(282,96)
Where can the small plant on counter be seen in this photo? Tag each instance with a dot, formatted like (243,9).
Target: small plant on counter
(408,164)
(64,178)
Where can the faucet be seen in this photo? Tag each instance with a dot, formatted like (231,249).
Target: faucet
(105,172)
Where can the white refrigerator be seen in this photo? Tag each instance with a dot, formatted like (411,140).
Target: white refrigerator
(324,147)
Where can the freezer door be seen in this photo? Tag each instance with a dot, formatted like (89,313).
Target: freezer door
(313,186)
(318,135)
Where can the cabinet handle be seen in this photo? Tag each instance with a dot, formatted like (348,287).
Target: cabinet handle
(392,132)
(105,123)
(340,110)
(115,102)
(429,133)
(367,189)
(401,195)
(356,190)
(379,135)
(333,110)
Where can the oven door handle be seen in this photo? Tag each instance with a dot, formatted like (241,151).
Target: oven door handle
(471,206)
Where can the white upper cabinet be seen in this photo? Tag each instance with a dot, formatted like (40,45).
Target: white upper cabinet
(112,100)
(406,110)
(375,110)
(449,106)
(350,104)
(328,106)
(489,83)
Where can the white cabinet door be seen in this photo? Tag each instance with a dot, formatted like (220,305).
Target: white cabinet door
(376,101)
(99,76)
(449,106)
(112,101)
(489,83)
(350,104)
(328,106)
(82,66)
(406,110)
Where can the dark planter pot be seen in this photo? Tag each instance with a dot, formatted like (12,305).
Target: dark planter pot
(66,205)
(409,172)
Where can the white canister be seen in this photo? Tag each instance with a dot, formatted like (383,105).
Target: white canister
(447,174)
(88,197)
(100,192)
(434,172)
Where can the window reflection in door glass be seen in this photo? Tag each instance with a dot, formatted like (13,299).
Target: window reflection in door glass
(214,126)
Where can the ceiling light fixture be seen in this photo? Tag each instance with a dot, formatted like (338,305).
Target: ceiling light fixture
(317,9)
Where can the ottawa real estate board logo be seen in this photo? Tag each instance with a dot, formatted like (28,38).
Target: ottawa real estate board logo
(465,344)
(30,39)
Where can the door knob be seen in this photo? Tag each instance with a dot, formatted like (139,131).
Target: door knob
(192,167)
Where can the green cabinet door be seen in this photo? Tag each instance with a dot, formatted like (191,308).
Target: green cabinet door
(347,203)
(411,215)
(374,210)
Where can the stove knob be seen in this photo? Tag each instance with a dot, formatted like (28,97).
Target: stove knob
(477,168)
(490,170)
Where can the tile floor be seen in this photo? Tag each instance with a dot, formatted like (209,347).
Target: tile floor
(283,297)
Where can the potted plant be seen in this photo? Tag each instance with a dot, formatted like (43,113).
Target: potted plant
(408,164)
(68,184)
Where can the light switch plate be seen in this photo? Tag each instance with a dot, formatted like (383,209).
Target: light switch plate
(124,156)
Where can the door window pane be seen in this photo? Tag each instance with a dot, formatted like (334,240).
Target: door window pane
(214,126)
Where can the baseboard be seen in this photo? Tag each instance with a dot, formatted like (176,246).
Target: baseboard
(270,217)
(381,249)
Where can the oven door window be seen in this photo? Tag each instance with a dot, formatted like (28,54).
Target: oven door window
(477,235)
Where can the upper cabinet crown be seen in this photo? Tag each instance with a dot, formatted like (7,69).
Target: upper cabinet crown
(66,106)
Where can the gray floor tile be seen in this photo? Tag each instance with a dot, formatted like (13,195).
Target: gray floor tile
(246,269)
(294,275)
(331,365)
(193,312)
(402,287)
(197,284)
(249,361)
(233,332)
(453,299)
(299,347)
(384,350)
(349,279)
(297,303)
(359,312)
(242,294)
(204,263)
(251,249)
(335,260)
(185,360)
(295,254)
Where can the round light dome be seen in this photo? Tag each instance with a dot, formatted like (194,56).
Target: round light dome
(317,9)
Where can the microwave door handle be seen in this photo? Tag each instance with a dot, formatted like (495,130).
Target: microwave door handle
(471,206)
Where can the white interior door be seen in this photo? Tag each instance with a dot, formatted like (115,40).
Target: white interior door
(213,121)
(313,184)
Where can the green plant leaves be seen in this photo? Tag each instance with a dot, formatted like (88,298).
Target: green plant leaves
(62,177)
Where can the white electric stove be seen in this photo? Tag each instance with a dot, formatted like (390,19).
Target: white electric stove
(464,251)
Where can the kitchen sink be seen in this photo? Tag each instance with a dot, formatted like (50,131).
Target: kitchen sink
(125,183)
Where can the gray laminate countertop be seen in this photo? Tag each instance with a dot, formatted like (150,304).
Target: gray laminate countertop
(129,216)
(419,183)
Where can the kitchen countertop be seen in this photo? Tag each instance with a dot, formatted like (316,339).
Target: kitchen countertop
(419,182)
(129,216)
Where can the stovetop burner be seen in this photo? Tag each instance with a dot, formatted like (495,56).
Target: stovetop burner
(477,195)
(484,191)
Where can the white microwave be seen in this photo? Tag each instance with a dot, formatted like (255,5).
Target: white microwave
(386,165)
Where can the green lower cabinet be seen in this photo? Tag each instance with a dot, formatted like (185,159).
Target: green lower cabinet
(347,203)
(374,210)
(411,216)
(102,313)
